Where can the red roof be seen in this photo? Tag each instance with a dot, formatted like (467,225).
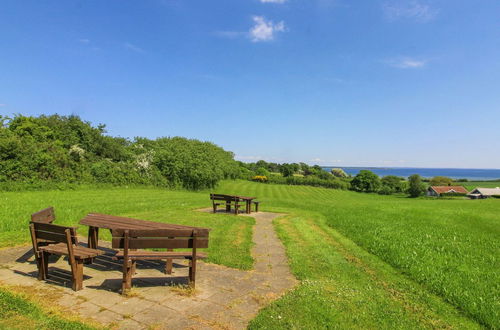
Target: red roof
(449,189)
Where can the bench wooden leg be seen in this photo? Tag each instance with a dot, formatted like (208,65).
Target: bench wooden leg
(127,275)
(40,261)
(256,207)
(78,275)
(46,265)
(192,273)
(215,207)
(228,207)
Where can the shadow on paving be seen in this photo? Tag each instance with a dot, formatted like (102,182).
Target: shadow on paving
(224,297)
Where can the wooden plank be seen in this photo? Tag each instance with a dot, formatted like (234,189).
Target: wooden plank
(45,216)
(161,232)
(165,243)
(54,237)
(49,227)
(155,255)
(114,222)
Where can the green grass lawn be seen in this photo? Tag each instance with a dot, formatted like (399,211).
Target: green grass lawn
(482,184)
(18,312)
(364,261)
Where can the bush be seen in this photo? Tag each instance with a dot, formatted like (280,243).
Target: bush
(396,183)
(441,181)
(310,181)
(415,185)
(339,173)
(66,149)
(386,190)
(260,178)
(365,181)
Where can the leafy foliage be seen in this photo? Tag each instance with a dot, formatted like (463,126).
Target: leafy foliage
(365,181)
(415,185)
(441,181)
(67,149)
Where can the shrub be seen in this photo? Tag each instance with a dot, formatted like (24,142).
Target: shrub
(386,190)
(415,185)
(365,181)
(66,149)
(441,181)
(396,183)
(339,173)
(260,178)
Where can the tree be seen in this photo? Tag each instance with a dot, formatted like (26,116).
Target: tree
(416,187)
(287,170)
(261,171)
(441,181)
(339,173)
(392,182)
(365,181)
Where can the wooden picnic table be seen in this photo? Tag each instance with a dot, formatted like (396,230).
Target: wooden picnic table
(248,201)
(97,220)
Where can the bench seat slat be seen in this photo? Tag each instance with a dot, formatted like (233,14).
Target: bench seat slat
(80,252)
(158,255)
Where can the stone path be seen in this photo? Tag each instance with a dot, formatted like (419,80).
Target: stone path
(225,298)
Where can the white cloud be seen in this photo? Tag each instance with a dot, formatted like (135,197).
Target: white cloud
(273,1)
(414,10)
(133,47)
(265,30)
(406,63)
(3,105)
(84,41)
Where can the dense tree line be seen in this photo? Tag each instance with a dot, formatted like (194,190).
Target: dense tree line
(67,149)
(295,174)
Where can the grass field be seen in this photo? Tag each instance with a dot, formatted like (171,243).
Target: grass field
(363,260)
(483,184)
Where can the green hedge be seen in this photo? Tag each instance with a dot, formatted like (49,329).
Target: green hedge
(61,150)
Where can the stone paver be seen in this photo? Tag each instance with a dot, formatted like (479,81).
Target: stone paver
(224,298)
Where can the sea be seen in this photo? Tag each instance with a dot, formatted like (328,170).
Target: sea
(471,174)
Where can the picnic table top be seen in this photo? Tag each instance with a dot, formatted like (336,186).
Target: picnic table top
(113,222)
(246,198)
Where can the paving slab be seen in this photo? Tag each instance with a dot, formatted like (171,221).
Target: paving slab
(224,298)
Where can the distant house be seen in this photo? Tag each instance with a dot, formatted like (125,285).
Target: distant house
(439,190)
(484,192)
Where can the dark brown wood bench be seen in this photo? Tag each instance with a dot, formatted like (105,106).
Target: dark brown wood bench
(256,203)
(44,216)
(229,201)
(64,242)
(131,240)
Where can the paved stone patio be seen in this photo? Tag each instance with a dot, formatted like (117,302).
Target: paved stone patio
(224,298)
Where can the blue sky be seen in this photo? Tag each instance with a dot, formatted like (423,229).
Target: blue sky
(332,82)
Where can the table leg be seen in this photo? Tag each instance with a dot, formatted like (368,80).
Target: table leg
(249,205)
(92,241)
(228,207)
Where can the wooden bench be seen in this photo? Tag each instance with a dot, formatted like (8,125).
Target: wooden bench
(130,239)
(44,216)
(228,199)
(65,243)
(256,203)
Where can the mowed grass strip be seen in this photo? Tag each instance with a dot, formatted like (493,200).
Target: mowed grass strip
(230,239)
(450,247)
(344,286)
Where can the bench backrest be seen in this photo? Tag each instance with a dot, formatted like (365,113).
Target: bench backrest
(44,216)
(221,197)
(160,238)
(53,233)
